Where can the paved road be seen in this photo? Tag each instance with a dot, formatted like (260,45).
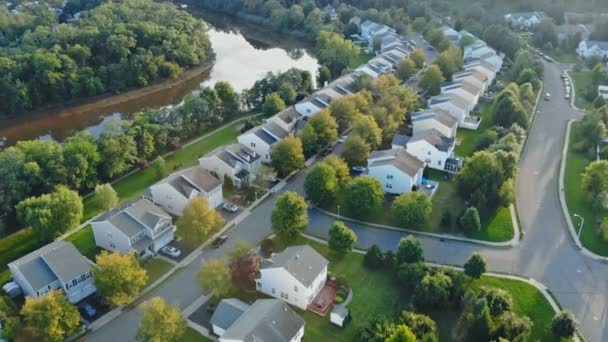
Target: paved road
(546,254)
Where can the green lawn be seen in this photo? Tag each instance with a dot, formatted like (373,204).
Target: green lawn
(466,139)
(192,335)
(360,59)
(156,268)
(561,57)
(575,199)
(84,240)
(498,228)
(581,80)
(376,293)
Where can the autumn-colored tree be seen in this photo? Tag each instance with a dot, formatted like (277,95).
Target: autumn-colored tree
(50,318)
(119,278)
(199,221)
(161,322)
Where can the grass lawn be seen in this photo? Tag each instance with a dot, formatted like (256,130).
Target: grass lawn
(84,240)
(376,293)
(156,268)
(581,80)
(192,335)
(575,199)
(360,59)
(561,57)
(467,139)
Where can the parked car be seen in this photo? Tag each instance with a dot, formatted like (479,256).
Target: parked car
(219,241)
(547,96)
(87,309)
(358,169)
(326,151)
(342,139)
(272,179)
(171,251)
(567,96)
(230,207)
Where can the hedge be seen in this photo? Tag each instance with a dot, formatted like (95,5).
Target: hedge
(16,246)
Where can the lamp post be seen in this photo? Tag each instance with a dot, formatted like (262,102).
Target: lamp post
(580,227)
(338,211)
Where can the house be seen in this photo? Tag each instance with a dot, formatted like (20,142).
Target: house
(452,35)
(391,40)
(370,29)
(473,81)
(457,107)
(399,141)
(175,192)
(373,70)
(58,265)
(431,147)
(266,320)
(287,118)
(482,67)
(437,119)
(140,227)
(477,49)
(236,161)
(602,91)
(525,20)
(458,89)
(315,102)
(397,170)
(260,139)
(588,48)
(295,275)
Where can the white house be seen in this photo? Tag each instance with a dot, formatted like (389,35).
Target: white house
(175,192)
(370,29)
(457,89)
(260,139)
(588,48)
(431,147)
(602,91)
(452,35)
(477,49)
(58,265)
(314,103)
(437,119)
(397,170)
(266,320)
(140,227)
(295,275)
(452,104)
(373,70)
(287,118)
(482,67)
(236,161)
(525,20)
(390,41)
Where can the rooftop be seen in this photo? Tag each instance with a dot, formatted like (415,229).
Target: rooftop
(302,262)
(433,137)
(227,312)
(399,158)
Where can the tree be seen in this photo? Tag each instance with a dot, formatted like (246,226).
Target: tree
(347,108)
(287,155)
(365,126)
(449,61)
(597,74)
(321,185)
(310,141)
(50,318)
(161,322)
(402,334)
(421,325)
(355,151)
(290,215)
(119,278)
(244,270)
(325,127)
(273,103)
(410,274)
(334,51)
(105,197)
(407,68)
(49,215)
(498,300)
(340,168)
(479,182)
(564,324)
(241,248)
(363,195)
(513,328)
(432,79)
(475,266)
(117,149)
(341,239)
(81,160)
(288,93)
(412,208)
(373,257)
(417,56)
(595,180)
(215,278)
(419,24)
(433,290)
(161,169)
(323,76)
(199,221)
(470,220)
(229,98)
(409,250)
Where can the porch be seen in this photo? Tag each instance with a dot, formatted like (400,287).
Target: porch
(324,300)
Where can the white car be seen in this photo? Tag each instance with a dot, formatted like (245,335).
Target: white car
(171,251)
(230,207)
(342,139)
(547,96)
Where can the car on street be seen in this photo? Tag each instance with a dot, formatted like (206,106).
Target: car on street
(326,151)
(413,43)
(219,241)
(342,139)
(547,96)
(358,169)
(230,207)
(567,96)
(87,309)
(170,251)
(272,179)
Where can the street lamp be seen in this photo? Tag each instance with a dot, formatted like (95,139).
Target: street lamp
(338,211)
(580,227)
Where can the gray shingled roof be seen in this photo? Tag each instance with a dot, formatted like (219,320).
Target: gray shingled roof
(276,130)
(133,216)
(401,159)
(61,261)
(227,312)
(438,114)
(288,115)
(435,138)
(400,139)
(244,153)
(600,44)
(265,136)
(267,320)
(302,262)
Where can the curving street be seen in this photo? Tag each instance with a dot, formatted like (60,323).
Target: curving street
(546,254)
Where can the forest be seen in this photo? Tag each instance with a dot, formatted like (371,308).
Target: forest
(115,46)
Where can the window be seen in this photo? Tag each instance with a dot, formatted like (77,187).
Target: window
(439,162)
(252,144)
(83,277)
(273,291)
(389,176)
(428,161)
(388,186)
(112,245)
(429,153)
(295,288)
(74,282)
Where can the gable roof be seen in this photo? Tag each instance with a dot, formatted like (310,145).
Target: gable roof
(435,138)
(302,262)
(265,136)
(227,312)
(400,159)
(192,179)
(527,15)
(266,320)
(288,115)
(134,216)
(275,130)
(590,44)
(440,115)
(243,153)
(59,260)
(400,140)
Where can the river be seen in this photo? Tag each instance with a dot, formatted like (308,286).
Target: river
(244,53)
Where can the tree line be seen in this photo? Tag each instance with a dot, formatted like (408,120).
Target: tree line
(118,45)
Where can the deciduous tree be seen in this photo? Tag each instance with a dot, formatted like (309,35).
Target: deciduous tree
(215,277)
(50,318)
(564,324)
(470,220)
(363,195)
(355,151)
(409,250)
(432,79)
(160,322)
(475,266)
(340,168)
(433,290)
(366,127)
(412,208)
(321,185)
(290,215)
(595,180)
(402,334)
(341,239)
(199,221)
(407,68)
(325,126)
(273,103)
(119,278)
(287,155)
(105,197)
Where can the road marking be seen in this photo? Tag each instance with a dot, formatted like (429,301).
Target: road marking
(579,271)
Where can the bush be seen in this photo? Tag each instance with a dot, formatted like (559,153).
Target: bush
(267,246)
(338,300)
(373,257)
(564,324)
(411,274)
(389,260)
(433,291)
(470,220)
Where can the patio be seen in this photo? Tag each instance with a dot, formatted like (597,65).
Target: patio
(324,300)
